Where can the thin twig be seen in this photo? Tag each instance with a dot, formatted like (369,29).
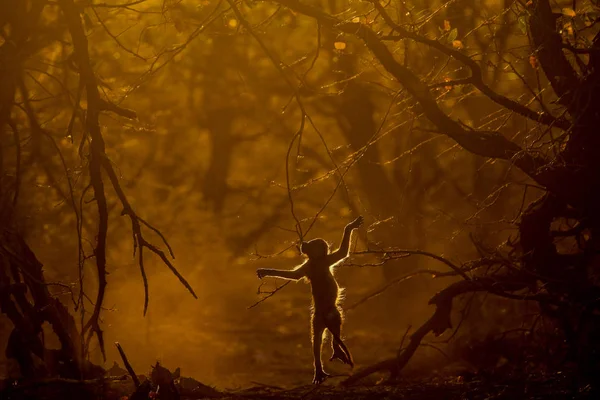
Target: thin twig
(270,294)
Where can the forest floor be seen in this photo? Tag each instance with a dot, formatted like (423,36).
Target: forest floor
(428,390)
(259,360)
(548,386)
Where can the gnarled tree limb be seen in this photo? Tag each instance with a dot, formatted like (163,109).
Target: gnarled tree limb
(482,143)
(476,78)
(439,322)
(99,162)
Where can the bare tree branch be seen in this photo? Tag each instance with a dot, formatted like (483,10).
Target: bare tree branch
(486,144)
(99,162)
(476,78)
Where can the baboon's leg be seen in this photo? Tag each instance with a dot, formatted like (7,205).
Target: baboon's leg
(318,328)
(340,351)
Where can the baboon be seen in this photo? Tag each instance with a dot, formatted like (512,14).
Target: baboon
(326,312)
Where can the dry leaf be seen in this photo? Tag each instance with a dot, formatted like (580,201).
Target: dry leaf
(356,19)
(446,79)
(457,44)
(569,12)
(447,26)
(533,61)
(587,21)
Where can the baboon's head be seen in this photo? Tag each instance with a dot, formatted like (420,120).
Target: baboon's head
(315,248)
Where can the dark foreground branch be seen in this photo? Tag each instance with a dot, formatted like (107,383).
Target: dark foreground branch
(97,150)
(128,366)
(440,320)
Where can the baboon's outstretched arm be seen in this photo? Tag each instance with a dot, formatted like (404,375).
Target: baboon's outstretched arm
(292,275)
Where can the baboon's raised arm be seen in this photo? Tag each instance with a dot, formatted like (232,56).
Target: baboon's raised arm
(344,250)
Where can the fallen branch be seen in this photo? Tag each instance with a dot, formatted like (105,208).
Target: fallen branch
(128,366)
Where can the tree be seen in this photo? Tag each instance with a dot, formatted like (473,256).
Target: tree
(24,25)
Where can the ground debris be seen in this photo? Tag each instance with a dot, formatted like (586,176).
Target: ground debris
(468,387)
(549,386)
